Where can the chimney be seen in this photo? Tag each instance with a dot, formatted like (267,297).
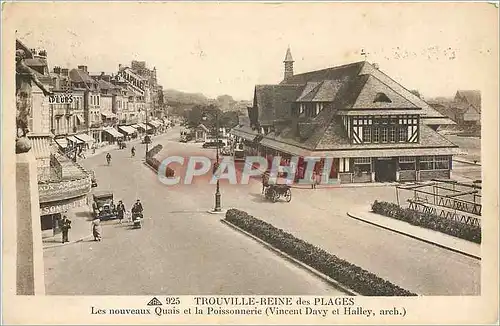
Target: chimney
(57,70)
(65,72)
(288,64)
(375,65)
(83,68)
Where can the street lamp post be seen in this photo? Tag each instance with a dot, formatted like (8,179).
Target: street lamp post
(217,190)
(217,208)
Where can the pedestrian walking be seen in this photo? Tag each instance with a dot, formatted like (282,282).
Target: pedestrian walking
(65,226)
(265,181)
(314,179)
(97,229)
(120,210)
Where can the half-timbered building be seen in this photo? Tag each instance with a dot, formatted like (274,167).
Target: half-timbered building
(373,128)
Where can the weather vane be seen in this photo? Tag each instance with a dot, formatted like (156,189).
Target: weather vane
(364,53)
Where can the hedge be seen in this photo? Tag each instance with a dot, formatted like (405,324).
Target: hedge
(155,163)
(429,221)
(351,276)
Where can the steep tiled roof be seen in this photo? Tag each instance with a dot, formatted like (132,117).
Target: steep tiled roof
(324,91)
(372,88)
(427,110)
(79,76)
(473,97)
(275,101)
(335,73)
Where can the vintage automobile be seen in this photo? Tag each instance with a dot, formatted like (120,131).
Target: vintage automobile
(103,205)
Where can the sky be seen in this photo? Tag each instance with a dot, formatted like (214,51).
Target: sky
(215,49)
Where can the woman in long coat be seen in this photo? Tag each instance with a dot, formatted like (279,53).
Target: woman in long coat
(97,229)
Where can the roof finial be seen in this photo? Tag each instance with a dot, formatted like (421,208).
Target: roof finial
(364,53)
(288,56)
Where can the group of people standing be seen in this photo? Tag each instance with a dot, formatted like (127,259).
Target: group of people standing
(120,213)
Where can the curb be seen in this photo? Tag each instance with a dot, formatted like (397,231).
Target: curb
(294,260)
(467,162)
(67,243)
(339,185)
(414,237)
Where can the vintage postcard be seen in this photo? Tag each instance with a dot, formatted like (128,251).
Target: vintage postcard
(249,163)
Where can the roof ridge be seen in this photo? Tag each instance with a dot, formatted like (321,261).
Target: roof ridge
(333,67)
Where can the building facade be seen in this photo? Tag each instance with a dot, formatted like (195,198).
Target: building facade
(359,123)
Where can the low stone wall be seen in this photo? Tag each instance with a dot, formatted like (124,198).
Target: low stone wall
(407,175)
(434,174)
(362,178)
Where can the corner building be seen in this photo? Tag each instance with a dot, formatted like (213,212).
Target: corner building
(374,129)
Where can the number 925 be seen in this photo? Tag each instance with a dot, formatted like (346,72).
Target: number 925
(173,300)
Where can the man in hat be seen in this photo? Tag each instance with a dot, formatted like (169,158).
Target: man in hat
(137,208)
(65,226)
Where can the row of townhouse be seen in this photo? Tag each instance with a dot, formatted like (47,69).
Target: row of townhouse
(369,126)
(85,109)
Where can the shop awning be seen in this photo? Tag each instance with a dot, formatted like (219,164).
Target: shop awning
(75,140)
(108,115)
(41,146)
(154,124)
(143,126)
(113,132)
(251,136)
(384,152)
(62,142)
(80,118)
(86,138)
(283,147)
(135,126)
(127,129)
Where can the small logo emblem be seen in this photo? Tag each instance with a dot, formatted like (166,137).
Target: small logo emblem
(154,302)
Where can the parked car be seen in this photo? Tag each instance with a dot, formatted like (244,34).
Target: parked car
(103,206)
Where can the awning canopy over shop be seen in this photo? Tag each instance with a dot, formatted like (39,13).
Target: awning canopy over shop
(127,130)
(62,142)
(108,115)
(41,146)
(135,126)
(283,147)
(244,134)
(80,118)
(75,140)
(384,152)
(86,138)
(143,126)
(154,124)
(113,132)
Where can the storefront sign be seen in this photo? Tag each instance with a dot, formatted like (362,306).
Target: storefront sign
(62,206)
(61,98)
(63,190)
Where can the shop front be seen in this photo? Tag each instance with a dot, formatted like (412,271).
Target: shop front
(57,197)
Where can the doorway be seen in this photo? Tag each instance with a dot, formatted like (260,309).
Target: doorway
(385,169)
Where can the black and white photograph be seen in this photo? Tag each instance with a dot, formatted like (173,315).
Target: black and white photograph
(267,163)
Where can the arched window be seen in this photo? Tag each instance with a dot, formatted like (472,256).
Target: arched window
(381,97)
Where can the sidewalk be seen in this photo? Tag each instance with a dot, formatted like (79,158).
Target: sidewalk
(281,180)
(80,229)
(433,237)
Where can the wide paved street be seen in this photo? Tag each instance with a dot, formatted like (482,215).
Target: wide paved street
(181,249)
(184,250)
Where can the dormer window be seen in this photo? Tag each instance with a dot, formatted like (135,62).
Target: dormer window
(381,97)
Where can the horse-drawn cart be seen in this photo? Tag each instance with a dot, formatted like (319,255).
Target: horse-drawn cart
(273,192)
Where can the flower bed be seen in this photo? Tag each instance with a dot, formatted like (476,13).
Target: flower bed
(429,221)
(155,163)
(351,276)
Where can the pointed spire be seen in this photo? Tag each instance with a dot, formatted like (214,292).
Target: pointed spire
(288,56)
